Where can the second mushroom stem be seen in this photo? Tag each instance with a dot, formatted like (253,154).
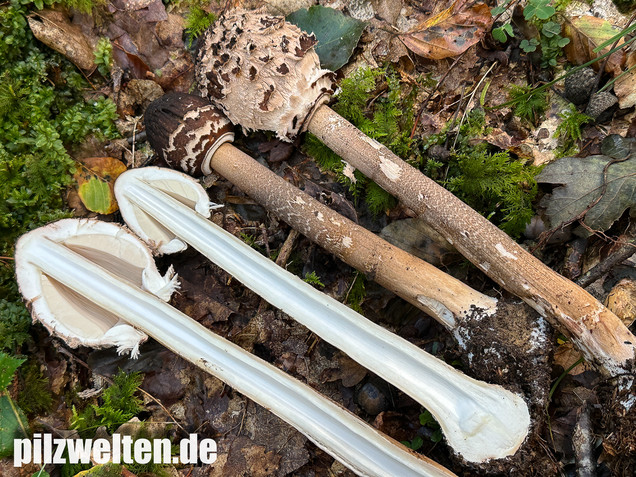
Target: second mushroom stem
(480,421)
(599,333)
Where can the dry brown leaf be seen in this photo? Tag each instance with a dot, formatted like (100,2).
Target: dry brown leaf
(450,32)
(585,34)
(55,30)
(622,301)
(625,86)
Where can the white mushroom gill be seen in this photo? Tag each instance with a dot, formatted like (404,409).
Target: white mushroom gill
(72,316)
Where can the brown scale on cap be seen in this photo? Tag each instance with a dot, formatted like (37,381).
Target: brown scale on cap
(256,59)
(186,130)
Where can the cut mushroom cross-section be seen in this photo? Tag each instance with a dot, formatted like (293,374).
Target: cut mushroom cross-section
(480,421)
(47,256)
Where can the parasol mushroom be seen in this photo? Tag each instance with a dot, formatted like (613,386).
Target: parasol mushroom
(480,421)
(263,73)
(82,277)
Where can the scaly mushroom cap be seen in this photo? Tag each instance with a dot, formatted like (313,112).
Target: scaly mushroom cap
(74,318)
(186,130)
(263,72)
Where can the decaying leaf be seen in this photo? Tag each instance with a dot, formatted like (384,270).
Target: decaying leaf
(585,34)
(581,181)
(95,179)
(625,86)
(337,34)
(450,32)
(56,31)
(348,370)
(622,301)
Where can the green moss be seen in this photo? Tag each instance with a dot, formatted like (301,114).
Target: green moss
(377,104)
(43,113)
(35,396)
(118,405)
(529,107)
(197,21)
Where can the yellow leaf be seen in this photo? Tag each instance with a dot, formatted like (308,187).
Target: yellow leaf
(95,179)
(585,34)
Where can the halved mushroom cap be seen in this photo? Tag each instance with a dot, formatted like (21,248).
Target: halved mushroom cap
(71,316)
(186,130)
(177,185)
(263,72)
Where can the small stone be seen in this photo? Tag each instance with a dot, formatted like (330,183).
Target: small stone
(579,86)
(602,106)
(371,399)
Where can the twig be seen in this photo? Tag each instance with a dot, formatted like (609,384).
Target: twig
(582,443)
(437,86)
(472,96)
(625,250)
(286,248)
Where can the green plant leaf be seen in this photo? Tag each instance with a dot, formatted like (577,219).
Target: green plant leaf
(551,29)
(8,367)
(95,181)
(581,182)
(539,9)
(562,42)
(529,46)
(337,34)
(502,33)
(13,425)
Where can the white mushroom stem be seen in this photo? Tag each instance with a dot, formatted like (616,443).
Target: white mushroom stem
(331,427)
(597,332)
(480,421)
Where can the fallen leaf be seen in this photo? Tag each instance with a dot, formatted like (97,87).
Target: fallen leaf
(625,86)
(95,179)
(585,34)
(337,34)
(581,181)
(450,32)
(56,31)
(350,372)
(13,424)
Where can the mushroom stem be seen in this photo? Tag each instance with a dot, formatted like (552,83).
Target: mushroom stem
(480,421)
(331,427)
(440,295)
(597,332)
